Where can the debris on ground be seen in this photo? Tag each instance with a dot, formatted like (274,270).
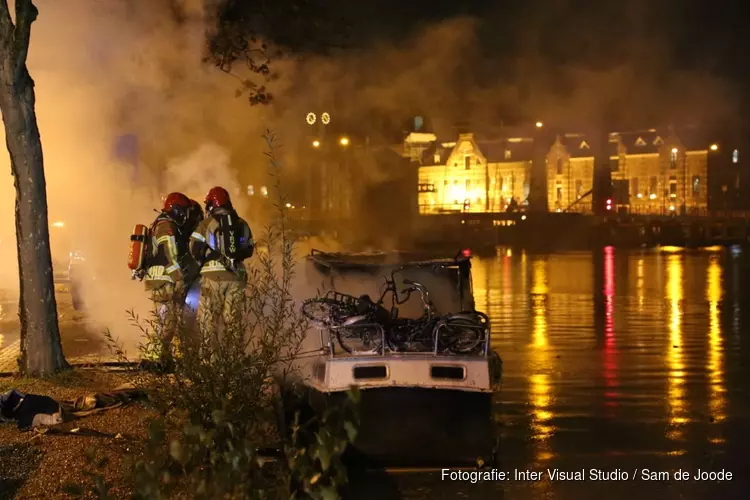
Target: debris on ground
(34,410)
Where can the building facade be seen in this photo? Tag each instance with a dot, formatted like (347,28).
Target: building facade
(470,175)
(652,173)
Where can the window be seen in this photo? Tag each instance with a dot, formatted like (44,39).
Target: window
(507,154)
(696,186)
(445,183)
(634,187)
(673,159)
(652,185)
(264,190)
(427,188)
(436,158)
(559,166)
(579,188)
(673,186)
(250,190)
(467,162)
(559,192)
(735,156)
(468,184)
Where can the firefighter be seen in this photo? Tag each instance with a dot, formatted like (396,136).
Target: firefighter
(220,243)
(165,276)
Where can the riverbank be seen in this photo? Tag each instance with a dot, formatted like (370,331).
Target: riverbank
(571,231)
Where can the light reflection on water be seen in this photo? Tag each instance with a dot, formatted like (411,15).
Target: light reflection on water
(650,361)
(715,360)
(676,390)
(539,384)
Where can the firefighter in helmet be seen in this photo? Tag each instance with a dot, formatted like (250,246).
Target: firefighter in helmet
(165,277)
(220,243)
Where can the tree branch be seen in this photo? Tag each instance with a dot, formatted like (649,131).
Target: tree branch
(26,13)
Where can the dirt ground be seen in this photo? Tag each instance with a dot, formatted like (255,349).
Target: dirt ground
(34,465)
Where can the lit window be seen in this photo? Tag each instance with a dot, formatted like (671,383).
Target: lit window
(507,154)
(250,190)
(696,186)
(735,156)
(264,190)
(437,158)
(673,158)
(559,166)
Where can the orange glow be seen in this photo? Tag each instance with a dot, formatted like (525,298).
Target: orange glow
(676,376)
(344,141)
(539,384)
(714,365)
(714,147)
(539,124)
(316,144)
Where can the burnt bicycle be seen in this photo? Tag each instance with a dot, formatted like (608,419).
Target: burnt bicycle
(364,326)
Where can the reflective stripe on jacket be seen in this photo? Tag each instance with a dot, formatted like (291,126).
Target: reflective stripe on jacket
(165,254)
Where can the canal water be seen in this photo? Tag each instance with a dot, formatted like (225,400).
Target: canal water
(617,361)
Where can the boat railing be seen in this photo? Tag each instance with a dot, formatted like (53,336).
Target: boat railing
(328,344)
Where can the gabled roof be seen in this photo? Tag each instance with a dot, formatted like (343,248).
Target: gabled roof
(428,156)
(642,141)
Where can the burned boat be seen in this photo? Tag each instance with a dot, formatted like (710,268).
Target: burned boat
(426,375)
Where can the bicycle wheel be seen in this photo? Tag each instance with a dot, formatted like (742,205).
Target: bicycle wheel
(461,334)
(360,337)
(324,312)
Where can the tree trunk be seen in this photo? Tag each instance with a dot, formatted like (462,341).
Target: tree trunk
(41,350)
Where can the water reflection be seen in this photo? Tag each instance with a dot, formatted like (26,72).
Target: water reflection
(714,363)
(640,280)
(610,361)
(676,376)
(539,384)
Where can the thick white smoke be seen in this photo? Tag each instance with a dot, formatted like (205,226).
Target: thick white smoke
(104,70)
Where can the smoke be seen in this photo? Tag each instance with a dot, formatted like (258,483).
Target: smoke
(560,63)
(107,69)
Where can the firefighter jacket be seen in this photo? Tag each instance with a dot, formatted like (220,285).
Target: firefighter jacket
(167,252)
(207,247)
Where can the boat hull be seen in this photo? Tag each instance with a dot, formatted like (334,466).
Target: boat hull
(418,427)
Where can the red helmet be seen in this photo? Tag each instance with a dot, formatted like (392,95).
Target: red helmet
(176,205)
(217,197)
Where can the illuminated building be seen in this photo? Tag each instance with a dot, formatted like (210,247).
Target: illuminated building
(653,172)
(470,175)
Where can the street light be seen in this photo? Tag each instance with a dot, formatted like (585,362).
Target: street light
(714,147)
(316,143)
(539,124)
(344,141)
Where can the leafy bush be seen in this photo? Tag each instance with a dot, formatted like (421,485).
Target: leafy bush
(221,404)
